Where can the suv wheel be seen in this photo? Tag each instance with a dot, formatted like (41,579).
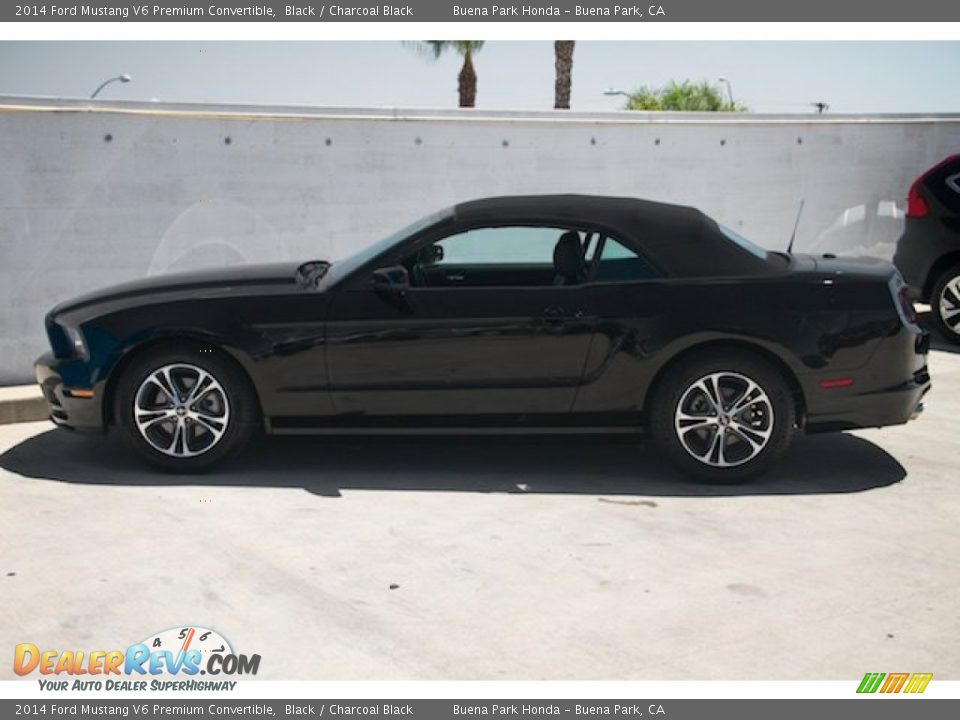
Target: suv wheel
(724,417)
(183,409)
(945,304)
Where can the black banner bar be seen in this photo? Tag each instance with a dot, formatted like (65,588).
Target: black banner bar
(866,708)
(465,10)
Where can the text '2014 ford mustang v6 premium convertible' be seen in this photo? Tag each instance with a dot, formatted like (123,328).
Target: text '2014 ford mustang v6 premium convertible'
(520,314)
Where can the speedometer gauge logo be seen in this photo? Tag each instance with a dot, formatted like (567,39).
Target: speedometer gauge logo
(183,640)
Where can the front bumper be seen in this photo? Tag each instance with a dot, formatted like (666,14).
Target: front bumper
(67,409)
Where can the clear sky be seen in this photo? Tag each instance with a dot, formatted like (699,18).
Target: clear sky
(852,76)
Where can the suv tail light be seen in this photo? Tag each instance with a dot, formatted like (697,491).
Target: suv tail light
(916,205)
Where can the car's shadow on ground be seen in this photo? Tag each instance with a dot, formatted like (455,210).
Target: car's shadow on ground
(587,465)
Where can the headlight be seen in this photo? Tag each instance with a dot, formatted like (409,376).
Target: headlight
(77,342)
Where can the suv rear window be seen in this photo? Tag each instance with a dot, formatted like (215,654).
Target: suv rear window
(944,184)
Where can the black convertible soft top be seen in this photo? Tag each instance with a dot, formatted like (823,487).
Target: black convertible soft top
(683,241)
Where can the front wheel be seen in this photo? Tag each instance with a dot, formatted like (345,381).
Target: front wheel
(724,417)
(945,304)
(184,409)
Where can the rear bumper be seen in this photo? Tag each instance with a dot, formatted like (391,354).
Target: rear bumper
(65,408)
(894,406)
(888,391)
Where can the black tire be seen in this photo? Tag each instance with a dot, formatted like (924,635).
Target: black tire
(771,424)
(949,329)
(235,398)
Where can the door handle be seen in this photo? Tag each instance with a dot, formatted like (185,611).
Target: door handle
(555,311)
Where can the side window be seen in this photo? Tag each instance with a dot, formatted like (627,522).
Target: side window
(500,246)
(507,256)
(618,263)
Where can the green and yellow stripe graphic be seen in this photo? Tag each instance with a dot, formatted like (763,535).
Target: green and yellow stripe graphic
(894,682)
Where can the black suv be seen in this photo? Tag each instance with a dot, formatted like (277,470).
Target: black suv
(928,252)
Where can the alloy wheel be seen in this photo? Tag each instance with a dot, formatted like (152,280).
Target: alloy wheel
(949,305)
(724,419)
(181,410)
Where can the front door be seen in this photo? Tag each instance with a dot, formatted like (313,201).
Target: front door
(487,327)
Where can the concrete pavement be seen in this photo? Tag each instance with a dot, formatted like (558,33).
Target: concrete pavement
(496,558)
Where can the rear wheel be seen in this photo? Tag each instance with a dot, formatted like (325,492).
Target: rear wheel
(723,417)
(945,304)
(184,409)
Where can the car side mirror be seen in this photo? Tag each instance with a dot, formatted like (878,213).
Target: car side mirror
(391,279)
(431,255)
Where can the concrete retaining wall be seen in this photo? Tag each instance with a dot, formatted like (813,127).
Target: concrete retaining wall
(93,194)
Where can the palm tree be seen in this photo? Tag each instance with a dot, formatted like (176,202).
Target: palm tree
(563,61)
(467,79)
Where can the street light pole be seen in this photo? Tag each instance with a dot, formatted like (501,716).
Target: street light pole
(729,88)
(612,92)
(124,78)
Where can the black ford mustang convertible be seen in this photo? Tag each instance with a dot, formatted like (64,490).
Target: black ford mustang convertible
(523,314)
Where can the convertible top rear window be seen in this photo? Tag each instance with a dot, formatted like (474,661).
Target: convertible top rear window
(748,245)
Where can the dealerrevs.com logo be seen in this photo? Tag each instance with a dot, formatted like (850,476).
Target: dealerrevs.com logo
(168,660)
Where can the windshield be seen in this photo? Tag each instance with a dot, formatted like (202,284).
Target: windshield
(749,246)
(341,269)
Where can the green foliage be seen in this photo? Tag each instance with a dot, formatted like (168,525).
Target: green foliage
(645,98)
(683,97)
(461,47)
